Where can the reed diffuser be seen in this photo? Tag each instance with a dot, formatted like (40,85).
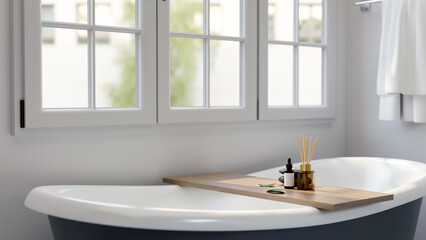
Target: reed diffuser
(305,178)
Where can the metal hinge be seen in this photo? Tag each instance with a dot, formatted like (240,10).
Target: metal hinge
(22,113)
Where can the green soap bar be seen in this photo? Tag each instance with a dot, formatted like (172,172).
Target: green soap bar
(267,185)
(276,191)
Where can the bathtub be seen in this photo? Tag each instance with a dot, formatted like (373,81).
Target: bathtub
(174,212)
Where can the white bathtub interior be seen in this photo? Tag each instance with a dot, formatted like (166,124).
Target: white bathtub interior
(370,174)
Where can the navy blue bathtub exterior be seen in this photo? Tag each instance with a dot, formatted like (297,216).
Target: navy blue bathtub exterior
(394,224)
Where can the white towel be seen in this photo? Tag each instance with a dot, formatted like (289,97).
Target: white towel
(402,62)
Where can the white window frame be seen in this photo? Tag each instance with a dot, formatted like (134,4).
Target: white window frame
(248,109)
(328,45)
(26,74)
(145,110)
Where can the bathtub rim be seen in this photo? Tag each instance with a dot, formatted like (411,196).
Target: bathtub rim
(220,221)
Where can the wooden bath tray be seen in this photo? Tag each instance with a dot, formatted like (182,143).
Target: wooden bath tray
(324,197)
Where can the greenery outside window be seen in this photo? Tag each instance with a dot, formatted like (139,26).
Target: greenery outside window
(207,60)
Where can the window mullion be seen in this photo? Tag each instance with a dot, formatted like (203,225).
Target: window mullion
(324,23)
(324,53)
(242,19)
(242,53)
(91,55)
(296,54)
(79,26)
(204,36)
(138,55)
(206,53)
(207,72)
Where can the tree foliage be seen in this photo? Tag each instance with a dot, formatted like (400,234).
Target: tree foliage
(182,54)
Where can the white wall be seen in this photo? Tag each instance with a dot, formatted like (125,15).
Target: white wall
(139,155)
(366,135)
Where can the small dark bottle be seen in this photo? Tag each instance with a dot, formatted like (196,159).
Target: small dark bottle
(289,176)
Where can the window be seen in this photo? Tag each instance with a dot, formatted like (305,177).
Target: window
(296,64)
(207,60)
(97,71)
(119,62)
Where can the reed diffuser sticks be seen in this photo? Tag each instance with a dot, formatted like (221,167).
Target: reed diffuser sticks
(305,178)
(306,151)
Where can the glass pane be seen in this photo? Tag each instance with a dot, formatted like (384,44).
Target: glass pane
(64,71)
(115,72)
(48,33)
(280,20)
(310,21)
(186,16)
(225,17)
(62,11)
(82,18)
(115,13)
(47,13)
(224,73)
(280,75)
(82,13)
(187,82)
(310,76)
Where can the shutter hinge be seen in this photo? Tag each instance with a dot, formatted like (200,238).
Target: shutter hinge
(22,113)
